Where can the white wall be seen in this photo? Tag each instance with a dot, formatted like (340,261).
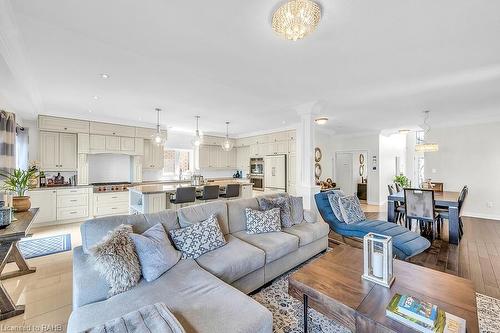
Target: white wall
(468,155)
(390,147)
(366,143)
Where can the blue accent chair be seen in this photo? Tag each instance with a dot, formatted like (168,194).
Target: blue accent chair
(405,243)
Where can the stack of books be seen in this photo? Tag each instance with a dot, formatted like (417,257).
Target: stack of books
(423,316)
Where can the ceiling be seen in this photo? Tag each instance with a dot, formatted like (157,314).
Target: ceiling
(372,65)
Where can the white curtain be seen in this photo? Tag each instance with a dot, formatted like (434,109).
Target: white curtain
(7,141)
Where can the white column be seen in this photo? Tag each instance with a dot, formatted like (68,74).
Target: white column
(306,186)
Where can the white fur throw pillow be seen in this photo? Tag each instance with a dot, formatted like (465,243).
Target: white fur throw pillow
(116,260)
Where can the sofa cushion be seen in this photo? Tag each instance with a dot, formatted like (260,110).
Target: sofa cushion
(351,209)
(233,261)
(156,253)
(259,222)
(274,244)
(198,238)
(116,260)
(167,218)
(297,209)
(200,301)
(283,203)
(236,213)
(197,213)
(308,232)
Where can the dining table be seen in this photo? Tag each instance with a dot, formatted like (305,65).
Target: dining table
(445,199)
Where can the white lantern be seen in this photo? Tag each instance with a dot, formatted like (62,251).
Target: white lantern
(378,259)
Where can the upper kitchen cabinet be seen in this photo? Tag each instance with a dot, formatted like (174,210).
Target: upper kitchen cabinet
(112,143)
(58,151)
(111,129)
(64,125)
(145,133)
(153,155)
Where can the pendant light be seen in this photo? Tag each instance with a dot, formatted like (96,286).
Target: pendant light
(159,138)
(227,144)
(197,136)
(426,147)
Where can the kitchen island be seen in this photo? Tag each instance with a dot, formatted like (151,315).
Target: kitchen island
(146,199)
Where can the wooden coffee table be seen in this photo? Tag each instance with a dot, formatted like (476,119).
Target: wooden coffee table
(332,285)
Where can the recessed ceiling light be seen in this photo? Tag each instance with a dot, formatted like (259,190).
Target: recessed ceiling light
(104,76)
(96,97)
(90,111)
(321,120)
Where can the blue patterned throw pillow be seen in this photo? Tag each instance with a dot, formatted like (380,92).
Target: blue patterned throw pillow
(259,222)
(283,203)
(351,209)
(199,238)
(333,198)
(297,208)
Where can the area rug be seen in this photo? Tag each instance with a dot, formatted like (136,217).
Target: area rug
(39,247)
(288,311)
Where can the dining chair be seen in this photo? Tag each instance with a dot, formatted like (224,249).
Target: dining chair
(232,191)
(184,195)
(398,187)
(420,206)
(445,215)
(400,209)
(210,192)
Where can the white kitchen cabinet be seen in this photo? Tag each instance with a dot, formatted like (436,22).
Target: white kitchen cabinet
(113,203)
(292,146)
(214,157)
(62,125)
(292,173)
(254,150)
(136,173)
(204,157)
(153,155)
(58,151)
(83,143)
(292,135)
(127,144)
(243,158)
(279,147)
(83,170)
(112,143)
(111,129)
(144,133)
(46,201)
(138,146)
(97,143)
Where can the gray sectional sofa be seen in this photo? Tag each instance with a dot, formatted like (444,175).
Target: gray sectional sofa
(207,294)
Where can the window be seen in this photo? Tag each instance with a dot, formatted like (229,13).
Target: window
(177,162)
(420,135)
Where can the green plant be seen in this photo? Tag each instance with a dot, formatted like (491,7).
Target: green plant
(18,181)
(402,180)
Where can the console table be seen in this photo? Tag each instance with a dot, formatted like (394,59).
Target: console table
(9,252)
(332,285)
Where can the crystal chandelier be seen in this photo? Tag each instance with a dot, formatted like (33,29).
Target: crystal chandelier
(426,147)
(227,144)
(197,136)
(159,138)
(296,19)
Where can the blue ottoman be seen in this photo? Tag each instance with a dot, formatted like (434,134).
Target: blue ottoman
(405,243)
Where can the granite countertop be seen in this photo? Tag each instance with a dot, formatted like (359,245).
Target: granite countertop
(45,188)
(171,188)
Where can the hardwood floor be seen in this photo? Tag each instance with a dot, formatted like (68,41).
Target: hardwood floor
(47,293)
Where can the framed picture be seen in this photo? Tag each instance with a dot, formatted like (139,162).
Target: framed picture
(361,159)
(317,171)
(317,155)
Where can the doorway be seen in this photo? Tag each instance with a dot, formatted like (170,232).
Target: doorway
(344,176)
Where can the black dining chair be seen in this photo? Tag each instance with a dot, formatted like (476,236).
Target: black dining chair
(210,192)
(445,215)
(232,191)
(420,206)
(184,195)
(398,187)
(400,209)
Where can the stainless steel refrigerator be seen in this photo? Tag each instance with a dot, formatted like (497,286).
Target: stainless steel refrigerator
(275,173)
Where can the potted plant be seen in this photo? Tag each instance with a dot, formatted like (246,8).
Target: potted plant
(19,181)
(402,180)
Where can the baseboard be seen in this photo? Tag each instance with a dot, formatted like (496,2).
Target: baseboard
(482,216)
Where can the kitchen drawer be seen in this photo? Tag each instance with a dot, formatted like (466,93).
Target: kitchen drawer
(113,209)
(72,191)
(76,200)
(72,213)
(111,198)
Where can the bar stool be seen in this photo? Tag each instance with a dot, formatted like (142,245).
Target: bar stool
(232,191)
(184,195)
(210,192)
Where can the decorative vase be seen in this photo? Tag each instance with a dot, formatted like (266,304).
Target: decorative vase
(21,203)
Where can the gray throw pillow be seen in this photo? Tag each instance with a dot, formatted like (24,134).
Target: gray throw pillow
(351,209)
(333,198)
(283,203)
(156,253)
(199,238)
(259,222)
(297,209)
(116,260)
